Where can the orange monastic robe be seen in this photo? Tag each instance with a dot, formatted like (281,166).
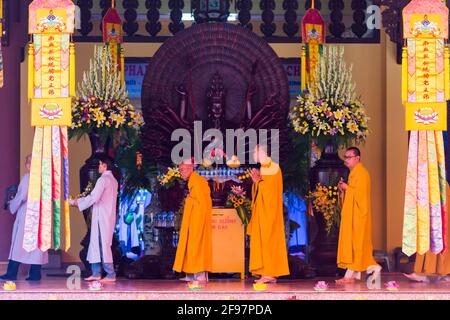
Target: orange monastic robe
(431,264)
(194,251)
(268,255)
(355,234)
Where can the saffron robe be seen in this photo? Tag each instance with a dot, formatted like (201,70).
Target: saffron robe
(194,251)
(431,264)
(103,200)
(355,233)
(268,254)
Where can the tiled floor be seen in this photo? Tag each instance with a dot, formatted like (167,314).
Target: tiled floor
(56,288)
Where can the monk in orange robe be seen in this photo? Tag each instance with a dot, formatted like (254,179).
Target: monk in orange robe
(355,234)
(194,251)
(434,265)
(268,254)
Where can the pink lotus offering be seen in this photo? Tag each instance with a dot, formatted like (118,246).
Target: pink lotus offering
(392,286)
(259,286)
(238,190)
(9,286)
(321,286)
(95,286)
(194,285)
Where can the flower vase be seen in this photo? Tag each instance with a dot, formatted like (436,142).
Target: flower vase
(327,171)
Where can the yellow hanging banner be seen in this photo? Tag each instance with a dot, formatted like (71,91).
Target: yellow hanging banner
(426,116)
(51,112)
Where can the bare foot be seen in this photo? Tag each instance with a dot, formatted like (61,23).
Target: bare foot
(345,280)
(266,279)
(416,277)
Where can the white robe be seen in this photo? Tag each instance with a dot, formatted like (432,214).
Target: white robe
(18,206)
(103,199)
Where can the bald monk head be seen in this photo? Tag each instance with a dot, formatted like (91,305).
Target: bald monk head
(260,154)
(186,169)
(352,157)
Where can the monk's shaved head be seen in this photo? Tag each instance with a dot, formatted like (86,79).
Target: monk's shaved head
(260,153)
(186,168)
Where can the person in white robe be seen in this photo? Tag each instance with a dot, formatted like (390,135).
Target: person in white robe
(18,255)
(103,200)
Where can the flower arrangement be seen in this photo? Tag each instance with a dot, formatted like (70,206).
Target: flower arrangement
(101,104)
(9,286)
(331,109)
(259,286)
(321,286)
(326,200)
(238,200)
(88,189)
(216,156)
(95,286)
(168,179)
(195,285)
(392,286)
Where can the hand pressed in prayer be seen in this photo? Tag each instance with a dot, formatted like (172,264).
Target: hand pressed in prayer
(256,175)
(342,186)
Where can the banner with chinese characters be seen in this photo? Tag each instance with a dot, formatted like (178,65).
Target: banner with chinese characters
(51,86)
(425,90)
(313,35)
(112,37)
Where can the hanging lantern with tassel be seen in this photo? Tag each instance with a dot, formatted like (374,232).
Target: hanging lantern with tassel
(313,35)
(113,39)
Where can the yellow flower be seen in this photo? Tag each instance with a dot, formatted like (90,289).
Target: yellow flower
(338,114)
(352,127)
(99,116)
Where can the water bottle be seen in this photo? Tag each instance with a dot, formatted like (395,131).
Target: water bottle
(175,238)
(164,219)
(171,221)
(156,220)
